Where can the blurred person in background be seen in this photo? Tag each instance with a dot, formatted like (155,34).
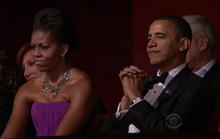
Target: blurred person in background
(201,60)
(26,62)
(10,81)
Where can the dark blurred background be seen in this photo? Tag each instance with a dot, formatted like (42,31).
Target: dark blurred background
(111,33)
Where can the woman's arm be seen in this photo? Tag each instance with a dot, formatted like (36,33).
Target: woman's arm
(16,125)
(82,103)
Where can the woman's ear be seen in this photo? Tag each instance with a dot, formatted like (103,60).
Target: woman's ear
(65,48)
(184,44)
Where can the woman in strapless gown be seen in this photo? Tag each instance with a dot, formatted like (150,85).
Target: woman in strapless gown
(62,99)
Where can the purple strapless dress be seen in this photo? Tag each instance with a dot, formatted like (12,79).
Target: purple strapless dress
(47,116)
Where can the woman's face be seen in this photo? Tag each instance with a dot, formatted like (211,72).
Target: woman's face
(47,52)
(30,69)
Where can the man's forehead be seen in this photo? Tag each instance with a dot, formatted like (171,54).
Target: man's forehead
(161,26)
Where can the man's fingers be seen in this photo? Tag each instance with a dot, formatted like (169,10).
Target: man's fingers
(132,72)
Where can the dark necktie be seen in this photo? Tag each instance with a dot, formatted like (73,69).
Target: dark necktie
(156,79)
(161,78)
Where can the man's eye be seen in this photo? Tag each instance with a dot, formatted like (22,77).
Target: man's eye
(161,36)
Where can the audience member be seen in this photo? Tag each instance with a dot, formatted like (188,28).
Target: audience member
(26,62)
(200,56)
(62,100)
(10,80)
(168,103)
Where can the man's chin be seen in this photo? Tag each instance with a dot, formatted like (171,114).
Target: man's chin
(154,63)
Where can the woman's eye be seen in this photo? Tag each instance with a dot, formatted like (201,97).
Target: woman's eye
(44,46)
(33,47)
(31,63)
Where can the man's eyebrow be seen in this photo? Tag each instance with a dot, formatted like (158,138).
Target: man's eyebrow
(157,34)
(160,33)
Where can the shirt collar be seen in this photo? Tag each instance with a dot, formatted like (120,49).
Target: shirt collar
(204,69)
(173,72)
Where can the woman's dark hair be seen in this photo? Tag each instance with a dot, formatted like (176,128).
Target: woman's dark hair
(53,21)
(10,74)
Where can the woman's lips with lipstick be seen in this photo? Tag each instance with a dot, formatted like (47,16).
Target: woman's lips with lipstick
(39,62)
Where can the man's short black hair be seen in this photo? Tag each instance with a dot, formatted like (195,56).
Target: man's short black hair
(184,29)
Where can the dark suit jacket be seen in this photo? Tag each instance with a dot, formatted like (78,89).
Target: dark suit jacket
(212,79)
(212,85)
(6,103)
(181,108)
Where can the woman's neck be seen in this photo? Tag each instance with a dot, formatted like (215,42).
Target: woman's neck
(55,74)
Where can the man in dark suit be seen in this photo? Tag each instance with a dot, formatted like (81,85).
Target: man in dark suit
(161,105)
(200,56)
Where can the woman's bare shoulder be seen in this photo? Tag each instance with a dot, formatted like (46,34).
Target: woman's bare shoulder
(80,81)
(79,75)
(29,87)
(81,87)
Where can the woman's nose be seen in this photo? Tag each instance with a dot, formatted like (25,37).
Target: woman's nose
(26,73)
(36,52)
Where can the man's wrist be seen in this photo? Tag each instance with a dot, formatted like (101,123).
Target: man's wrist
(136,100)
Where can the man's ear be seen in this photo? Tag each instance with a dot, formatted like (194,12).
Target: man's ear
(184,44)
(65,48)
(203,43)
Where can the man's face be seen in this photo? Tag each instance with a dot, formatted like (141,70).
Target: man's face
(193,54)
(162,46)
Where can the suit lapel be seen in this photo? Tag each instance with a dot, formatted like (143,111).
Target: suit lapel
(173,85)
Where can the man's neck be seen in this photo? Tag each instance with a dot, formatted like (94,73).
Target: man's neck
(169,68)
(173,71)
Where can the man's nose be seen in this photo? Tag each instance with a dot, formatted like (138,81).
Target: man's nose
(151,43)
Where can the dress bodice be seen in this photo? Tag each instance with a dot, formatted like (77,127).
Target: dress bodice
(47,116)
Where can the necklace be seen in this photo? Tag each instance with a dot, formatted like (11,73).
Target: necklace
(54,89)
